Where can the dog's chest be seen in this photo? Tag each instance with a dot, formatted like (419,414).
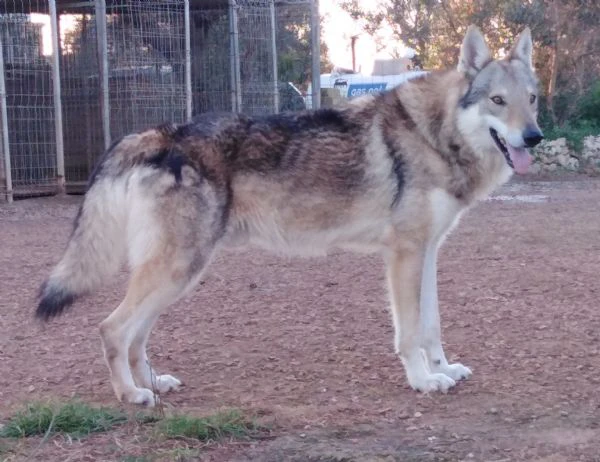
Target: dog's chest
(445,213)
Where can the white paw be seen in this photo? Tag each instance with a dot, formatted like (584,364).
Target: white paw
(431,382)
(457,371)
(166,383)
(141,396)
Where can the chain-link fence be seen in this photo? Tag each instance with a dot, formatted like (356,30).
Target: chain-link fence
(124,65)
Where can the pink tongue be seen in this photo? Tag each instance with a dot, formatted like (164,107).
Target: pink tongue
(520,158)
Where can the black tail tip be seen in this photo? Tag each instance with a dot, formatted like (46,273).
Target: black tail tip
(53,301)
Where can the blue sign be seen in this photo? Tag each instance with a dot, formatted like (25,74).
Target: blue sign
(359,89)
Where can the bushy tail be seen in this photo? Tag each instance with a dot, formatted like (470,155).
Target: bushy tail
(95,251)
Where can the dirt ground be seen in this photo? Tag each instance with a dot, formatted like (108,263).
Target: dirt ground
(307,343)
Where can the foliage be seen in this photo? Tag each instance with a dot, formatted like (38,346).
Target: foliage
(573,133)
(293,41)
(585,120)
(589,105)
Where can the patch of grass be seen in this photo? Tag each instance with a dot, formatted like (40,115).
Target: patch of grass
(4,449)
(228,424)
(74,419)
(183,454)
(169,455)
(137,459)
(144,417)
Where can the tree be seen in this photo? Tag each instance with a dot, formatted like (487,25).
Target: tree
(293,38)
(566,36)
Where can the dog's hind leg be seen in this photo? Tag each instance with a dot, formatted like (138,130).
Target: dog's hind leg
(143,374)
(146,297)
(172,231)
(430,321)
(404,270)
(154,286)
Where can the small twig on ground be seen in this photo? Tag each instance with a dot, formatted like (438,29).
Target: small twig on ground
(159,406)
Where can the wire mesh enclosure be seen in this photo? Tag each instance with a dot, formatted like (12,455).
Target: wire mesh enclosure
(146,63)
(211,58)
(80,91)
(80,74)
(28,132)
(295,51)
(257,61)
(251,56)
(142,49)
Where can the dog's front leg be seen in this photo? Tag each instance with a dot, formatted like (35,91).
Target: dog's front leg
(430,321)
(404,274)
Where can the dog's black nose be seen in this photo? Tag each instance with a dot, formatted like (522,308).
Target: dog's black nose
(532,137)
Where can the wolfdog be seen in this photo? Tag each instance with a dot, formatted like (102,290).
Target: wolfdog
(390,174)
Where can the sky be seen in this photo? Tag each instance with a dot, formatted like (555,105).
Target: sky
(338,27)
(67,22)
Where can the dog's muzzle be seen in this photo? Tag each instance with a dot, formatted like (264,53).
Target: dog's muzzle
(502,146)
(532,137)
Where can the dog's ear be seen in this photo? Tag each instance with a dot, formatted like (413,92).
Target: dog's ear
(523,48)
(474,53)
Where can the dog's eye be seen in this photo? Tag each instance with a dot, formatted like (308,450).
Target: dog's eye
(498,100)
(532,99)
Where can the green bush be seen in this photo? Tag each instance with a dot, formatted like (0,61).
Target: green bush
(574,133)
(584,121)
(589,106)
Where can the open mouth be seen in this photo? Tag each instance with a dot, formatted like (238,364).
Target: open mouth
(502,146)
(517,158)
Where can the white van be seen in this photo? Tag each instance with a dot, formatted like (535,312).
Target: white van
(353,85)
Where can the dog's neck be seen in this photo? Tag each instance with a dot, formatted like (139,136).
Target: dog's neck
(432,103)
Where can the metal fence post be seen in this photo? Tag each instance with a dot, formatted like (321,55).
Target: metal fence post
(103,67)
(5,149)
(315,39)
(188,62)
(234,46)
(274,46)
(58,125)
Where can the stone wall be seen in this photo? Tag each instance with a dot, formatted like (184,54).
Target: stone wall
(556,155)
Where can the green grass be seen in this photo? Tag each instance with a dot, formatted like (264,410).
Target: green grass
(78,420)
(170,455)
(228,424)
(74,419)
(3,449)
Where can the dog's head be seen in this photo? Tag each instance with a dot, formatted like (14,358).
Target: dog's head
(498,112)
